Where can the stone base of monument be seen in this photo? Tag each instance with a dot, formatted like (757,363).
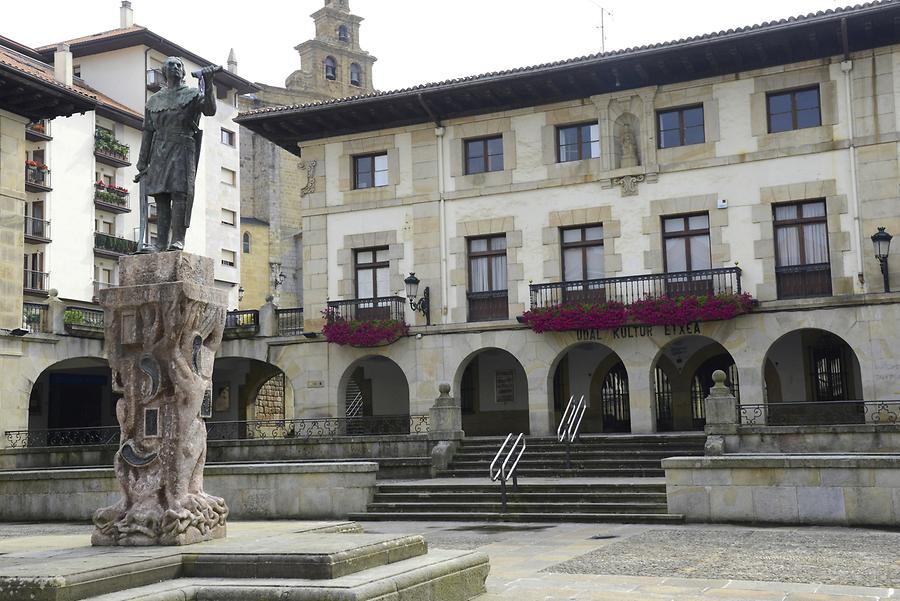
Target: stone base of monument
(299,561)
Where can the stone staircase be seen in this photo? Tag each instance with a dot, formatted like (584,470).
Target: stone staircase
(597,456)
(611,479)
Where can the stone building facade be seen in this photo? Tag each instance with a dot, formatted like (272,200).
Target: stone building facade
(743,162)
(332,65)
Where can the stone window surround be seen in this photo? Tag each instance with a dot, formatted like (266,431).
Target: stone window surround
(838,239)
(612,262)
(720,251)
(345,260)
(685,97)
(787,81)
(365,146)
(458,251)
(573,115)
(482,129)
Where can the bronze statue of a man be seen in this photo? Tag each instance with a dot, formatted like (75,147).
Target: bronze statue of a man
(170,149)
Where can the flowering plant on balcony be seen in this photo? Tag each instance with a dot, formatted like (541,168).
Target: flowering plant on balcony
(576,316)
(105,142)
(101,185)
(37,126)
(682,310)
(658,311)
(36,165)
(376,332)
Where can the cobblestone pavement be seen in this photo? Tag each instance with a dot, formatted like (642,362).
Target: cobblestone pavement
(619,562)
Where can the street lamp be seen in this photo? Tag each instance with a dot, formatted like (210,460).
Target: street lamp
(423,305)
(240,293)
(882,243)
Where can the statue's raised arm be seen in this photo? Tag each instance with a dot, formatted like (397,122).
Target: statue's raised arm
(170,149)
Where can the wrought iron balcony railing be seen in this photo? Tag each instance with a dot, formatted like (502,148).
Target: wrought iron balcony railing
(489,305)
(38,130)
(368,309)
(113,245)
(37,178)
(629,289)
(35,317)
(111,198)
(35,281)
(241,324)
(37,231)
(290,321)
(803,281)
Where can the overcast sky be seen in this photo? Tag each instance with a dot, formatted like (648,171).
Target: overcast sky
(416,41)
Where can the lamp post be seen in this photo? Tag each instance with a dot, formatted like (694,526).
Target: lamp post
(423,305)
(882,243)
(240,293)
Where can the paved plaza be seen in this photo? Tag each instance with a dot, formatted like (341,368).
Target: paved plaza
(531,562)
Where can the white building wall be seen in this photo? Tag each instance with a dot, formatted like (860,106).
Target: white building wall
(119,74)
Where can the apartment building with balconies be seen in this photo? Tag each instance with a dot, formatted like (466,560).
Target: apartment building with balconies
(92,160)
(617,226)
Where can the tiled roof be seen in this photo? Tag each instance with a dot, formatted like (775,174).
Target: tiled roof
(94,37)
(582,60)
(38,70)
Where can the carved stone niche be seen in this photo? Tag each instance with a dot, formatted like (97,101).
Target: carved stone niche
(631,158)
(163,327)
(626,133)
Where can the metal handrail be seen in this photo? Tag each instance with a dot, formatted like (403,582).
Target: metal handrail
(356,405)
(504,474)
(570,424)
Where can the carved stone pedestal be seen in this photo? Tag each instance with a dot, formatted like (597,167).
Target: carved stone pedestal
(163,327)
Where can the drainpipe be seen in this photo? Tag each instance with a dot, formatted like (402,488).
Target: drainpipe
(853,204)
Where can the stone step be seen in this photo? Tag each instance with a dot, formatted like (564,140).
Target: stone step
(448,575)
(486,486)
(576,450)
(617,518)
(559,473)
(531,497)
(564,508)
(580,463)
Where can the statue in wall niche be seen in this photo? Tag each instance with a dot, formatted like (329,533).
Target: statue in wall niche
(170,150)
(628,146)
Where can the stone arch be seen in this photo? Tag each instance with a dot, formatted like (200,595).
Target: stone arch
(331,68)
(681,376)
(238,382)
(493,388)
(596,371)
(373,385)
(810,365)
(72,393)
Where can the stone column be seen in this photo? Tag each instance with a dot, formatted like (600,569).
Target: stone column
(163,327)
(641,402)
(721,415)
(12,220)
(56,313)
(444,427)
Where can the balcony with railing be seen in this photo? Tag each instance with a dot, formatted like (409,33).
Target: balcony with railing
(35,282)
(489,305)
(289,321)
(37,231)
(108,150)
(109,246)
(98,286)
(84,322)
(155,80)
(37,177)
(38,131)
(368,309)
(626,290)
(241,324)
(111,198)
(803,281)
(35,317)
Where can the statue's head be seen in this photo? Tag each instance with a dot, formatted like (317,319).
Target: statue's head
(173,71)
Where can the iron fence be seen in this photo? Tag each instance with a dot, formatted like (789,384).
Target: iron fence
(273,429)
(819,413)
(488,305)
(35,281)
(114,244)
(626,290)
(37,228)
(240,324)
(368,309)
(35,317)
(290,321)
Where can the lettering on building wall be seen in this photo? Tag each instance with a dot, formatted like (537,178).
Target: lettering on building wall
(640,331)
